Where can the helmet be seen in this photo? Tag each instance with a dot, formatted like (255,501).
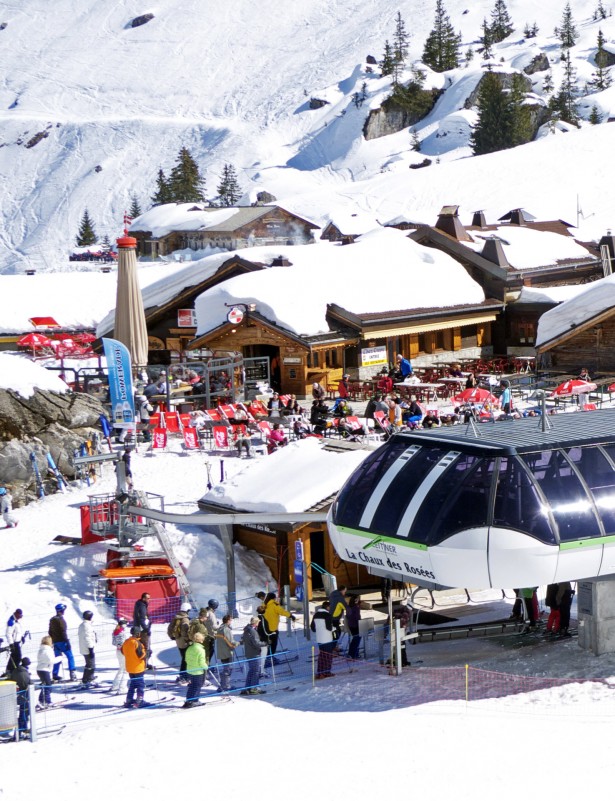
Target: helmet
(60,607)
(2,490)
(135,631)
(212,603)
(88,615)
(26,661)
(122,621)
(185,607)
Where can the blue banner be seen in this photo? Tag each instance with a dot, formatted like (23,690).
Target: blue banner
(120,384)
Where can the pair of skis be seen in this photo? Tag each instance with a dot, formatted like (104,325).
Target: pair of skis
(40,488)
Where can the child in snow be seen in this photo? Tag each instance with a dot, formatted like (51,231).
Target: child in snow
(6,508)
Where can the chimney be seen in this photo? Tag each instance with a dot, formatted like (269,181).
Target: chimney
(281,261)
(515,217)
(493,251)
(609,240)
(449,223)
(478,219)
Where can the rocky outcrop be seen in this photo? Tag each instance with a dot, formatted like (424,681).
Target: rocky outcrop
(317,102)
(141,20)
(45,422)
(539,63)
(505,77)
(397,114)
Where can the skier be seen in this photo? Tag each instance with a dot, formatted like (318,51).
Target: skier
(87,641)
(141,619)
(211,624)
(226,646)
(6,508)
(135,653)
(23,680)
(61,644)
(118,638)
(178,630)
(196,667)
(252,645)
(44,666)
(15,637)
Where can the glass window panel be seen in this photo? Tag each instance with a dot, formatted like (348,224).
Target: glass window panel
(599,476)
(518,504)
(397,497)
(457,501)
(570,504)
(358,489)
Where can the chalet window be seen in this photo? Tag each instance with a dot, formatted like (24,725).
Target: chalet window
(468,336)
(523,331)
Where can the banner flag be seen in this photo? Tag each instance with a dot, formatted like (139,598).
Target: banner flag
(120,383)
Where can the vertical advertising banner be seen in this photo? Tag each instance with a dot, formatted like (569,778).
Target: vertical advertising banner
(120,384)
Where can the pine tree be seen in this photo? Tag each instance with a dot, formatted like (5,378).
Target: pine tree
(387,64)
(87,235)
(601,78)
(547,84)
(530,31)
(595,118)
(228,189)
(486,40)
(600,12)
(185,182)
(563,104)
(501,23)
(493,130)
(401,41)
(469,56)
(521,130)
(416,142)
(440,51)
(567,32)
(135,208)
(163,192)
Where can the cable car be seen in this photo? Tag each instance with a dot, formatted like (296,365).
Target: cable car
(504,504)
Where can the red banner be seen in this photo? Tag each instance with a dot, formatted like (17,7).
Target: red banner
(220,436)
(191,439)
(159,438)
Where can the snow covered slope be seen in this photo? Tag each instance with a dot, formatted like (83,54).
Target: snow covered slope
(91,108)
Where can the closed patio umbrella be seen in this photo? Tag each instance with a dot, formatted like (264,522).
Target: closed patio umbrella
(130,327)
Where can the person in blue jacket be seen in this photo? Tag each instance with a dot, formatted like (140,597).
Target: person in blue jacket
(404,367)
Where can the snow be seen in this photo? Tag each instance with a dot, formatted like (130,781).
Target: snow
(23,376)
(526,248)
(329,272)
(161,220)
(596,298)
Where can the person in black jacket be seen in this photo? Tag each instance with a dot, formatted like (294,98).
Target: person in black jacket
(23,680)
(61,644)
(141,619)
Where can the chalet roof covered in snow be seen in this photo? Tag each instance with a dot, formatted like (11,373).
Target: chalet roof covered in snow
(381,270)
(596,299)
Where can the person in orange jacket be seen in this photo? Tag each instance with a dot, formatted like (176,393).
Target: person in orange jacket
(135,655)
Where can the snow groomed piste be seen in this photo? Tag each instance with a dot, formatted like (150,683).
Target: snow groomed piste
(498,505)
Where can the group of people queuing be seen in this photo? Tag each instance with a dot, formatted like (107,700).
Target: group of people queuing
(558,598)
(327,623)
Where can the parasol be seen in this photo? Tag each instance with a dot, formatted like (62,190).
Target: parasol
(573,387)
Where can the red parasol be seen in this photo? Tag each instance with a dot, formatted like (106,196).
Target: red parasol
(85,338)
(34,341)
(573,387)
(475,395)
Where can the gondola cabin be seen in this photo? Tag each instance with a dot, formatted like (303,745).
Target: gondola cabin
(503,504)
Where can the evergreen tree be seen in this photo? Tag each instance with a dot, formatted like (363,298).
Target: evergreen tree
(547,84)
(106,241)
(185,182)
(501,23)
(87,235)
(567,32)
(135,208)
(163,192)
(228,188)
(416,142)
(440,51)
(401,41)
(486,40)
(563,104)
(601,78)
(521,129)
(530,31)
(388,63)
(469,56)
(600,12)
(595,118)
(493,129)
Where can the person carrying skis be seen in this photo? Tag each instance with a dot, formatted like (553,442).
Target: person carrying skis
(135,654)
(61,644)
(15,637)
(87,642)
(6,508)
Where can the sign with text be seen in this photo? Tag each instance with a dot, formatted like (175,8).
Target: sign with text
(372,356)
(186,318)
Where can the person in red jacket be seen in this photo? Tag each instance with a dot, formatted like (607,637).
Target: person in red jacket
(343,388)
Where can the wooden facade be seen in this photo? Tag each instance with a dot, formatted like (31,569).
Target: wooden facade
(587,345)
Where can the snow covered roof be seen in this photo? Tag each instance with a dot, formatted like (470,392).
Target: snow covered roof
(353,223)
(380,270)
(595,299)
(265,485)
(549,294)
(527,248)
(161,220)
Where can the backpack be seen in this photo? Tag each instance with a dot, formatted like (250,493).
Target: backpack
(174,628)
(118,637)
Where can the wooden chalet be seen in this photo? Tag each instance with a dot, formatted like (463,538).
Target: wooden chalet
(489,266)
(244,227)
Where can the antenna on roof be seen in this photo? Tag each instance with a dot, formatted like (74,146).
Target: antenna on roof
(580,212)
